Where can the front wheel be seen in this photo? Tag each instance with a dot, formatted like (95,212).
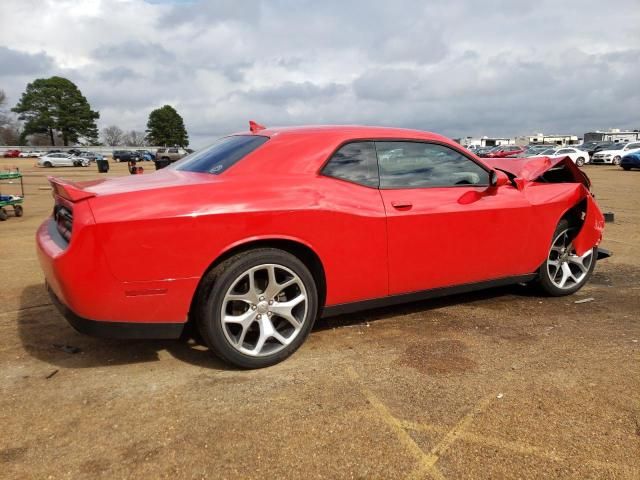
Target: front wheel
(626,168)
(257,308)
(580,162)
(48,164)
(616,160)
(564,272)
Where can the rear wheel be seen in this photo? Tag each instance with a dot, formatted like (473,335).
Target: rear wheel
(48,164)
(3,215)
(257,308)
(18,211)
(564,272)
(580,161)
(616,160)
(626,168)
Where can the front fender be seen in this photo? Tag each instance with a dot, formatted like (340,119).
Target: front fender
(590,234)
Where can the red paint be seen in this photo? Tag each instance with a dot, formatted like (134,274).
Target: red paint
(141,243)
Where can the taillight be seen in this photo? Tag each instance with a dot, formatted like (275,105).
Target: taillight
(63,217)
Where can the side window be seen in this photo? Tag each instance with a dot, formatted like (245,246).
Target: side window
(565,150)
(421,165)
(355,162)
(634,145)
(173,150)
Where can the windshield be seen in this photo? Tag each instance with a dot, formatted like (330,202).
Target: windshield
(222,154)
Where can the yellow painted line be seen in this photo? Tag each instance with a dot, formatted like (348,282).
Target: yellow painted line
(426,462)
(521,448)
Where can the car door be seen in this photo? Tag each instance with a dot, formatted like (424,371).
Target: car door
(445,225)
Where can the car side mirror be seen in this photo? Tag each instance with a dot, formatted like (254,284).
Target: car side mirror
(498,178)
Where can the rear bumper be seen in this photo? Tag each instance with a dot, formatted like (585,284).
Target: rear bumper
(80,279)
(120,330)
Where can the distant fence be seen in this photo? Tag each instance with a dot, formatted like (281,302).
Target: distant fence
(101,150)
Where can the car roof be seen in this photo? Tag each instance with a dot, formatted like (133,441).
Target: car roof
(347,131)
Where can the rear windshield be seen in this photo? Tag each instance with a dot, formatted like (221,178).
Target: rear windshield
(221,155)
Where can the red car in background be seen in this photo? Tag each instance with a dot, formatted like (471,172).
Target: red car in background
(12,154)
(255,236)
(505,151)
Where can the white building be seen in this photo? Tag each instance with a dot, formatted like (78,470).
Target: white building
(612,135)
(485,141)
(541,138)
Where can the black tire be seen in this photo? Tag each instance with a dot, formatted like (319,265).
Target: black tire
(48,164)
(580,161)
(18,211)
(211,295)
(616,160)
(626,168)
(166,158)
(3,215)
(544,277)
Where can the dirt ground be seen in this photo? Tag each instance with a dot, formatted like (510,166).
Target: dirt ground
(496,384)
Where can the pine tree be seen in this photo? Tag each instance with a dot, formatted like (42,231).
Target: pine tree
(166,127)
(56,106)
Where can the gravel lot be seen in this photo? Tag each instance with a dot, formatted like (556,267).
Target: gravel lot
(501,383)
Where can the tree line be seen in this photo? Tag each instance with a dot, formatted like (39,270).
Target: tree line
(53,111)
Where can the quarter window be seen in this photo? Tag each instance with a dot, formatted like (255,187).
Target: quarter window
(355,162)
(420,165)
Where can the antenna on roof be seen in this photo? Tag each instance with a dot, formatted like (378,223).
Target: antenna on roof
(255,127)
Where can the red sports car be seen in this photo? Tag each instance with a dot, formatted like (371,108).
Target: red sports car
(254,237)
(505,151)
(12,153)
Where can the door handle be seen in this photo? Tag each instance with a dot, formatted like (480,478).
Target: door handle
(402,205)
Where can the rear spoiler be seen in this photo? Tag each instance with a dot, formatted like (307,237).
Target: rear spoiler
(69,190)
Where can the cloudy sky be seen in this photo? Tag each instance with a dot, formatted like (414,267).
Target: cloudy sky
(496,67)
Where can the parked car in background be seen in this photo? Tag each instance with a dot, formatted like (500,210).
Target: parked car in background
(31,154)
(592,147)
(62,160)
(425,217)
(630,160)
(74,151)
(125,155)
(171,154)
(505,151)
(91,156)
(146,155)
(482,151)
(614,153)
(579,157)
(13,153)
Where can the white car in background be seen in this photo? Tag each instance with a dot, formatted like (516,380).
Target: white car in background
(577,156)
(62,160)
(614,154)
(31,154)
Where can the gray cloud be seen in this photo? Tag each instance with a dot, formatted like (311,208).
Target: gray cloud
(505,68)
(15,62)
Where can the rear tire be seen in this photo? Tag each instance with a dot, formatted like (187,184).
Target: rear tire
(256,308)
(3,215)
(18,211)
(580,162)
(563,272)
(626,168)
(48,164)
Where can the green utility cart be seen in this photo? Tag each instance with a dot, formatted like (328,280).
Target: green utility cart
(11,200)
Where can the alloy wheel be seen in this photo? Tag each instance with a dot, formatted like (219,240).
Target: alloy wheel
(565,268)
(264,309)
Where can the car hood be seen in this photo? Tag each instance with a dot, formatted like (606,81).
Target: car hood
(532,168)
